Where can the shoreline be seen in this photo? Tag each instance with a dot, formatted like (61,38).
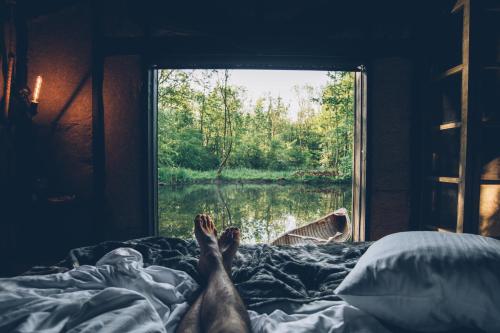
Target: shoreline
(256,182)
(182,177)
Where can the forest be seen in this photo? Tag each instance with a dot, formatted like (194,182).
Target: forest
(209,129)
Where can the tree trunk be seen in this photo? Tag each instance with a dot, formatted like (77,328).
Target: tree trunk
(227,143)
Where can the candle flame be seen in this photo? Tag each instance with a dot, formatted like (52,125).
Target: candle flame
(38,86)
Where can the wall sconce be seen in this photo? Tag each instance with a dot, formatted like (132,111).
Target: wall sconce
(36,95)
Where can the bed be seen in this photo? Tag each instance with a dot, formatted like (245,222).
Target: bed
(286,288)
(263,274)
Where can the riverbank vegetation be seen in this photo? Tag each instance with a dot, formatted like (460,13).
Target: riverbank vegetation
(178,176)
(209,131)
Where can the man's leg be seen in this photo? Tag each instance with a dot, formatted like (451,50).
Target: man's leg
(228,245)
(190,323)
(221,309)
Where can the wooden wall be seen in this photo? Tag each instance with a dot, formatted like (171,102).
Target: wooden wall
(125,150)
(5,225)
(60,50)
(52,156)
(489,198)
(389,170)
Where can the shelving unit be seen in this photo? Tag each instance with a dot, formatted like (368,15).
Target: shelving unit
(461,191)
(452,71)
(489,127)
(448,126)
(448,180)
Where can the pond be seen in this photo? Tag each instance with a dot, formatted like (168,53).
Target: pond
(261,211)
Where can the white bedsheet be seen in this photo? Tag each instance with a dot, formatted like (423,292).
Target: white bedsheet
(318,316)
(120,295)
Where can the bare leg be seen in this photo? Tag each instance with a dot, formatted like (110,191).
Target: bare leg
(228,245)
(190,323)
(222,309)
(229,242)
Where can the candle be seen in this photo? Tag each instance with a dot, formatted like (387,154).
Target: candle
(38,86)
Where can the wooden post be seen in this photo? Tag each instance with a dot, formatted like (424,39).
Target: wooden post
(11,57)
(359,170)
(468,188)
(98,143)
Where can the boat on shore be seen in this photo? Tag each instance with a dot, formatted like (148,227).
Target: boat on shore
(334,227)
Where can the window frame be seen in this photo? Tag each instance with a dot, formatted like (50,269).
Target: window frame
(360,151)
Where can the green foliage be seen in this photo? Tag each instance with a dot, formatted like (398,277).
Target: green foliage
(173,176)
(204,124)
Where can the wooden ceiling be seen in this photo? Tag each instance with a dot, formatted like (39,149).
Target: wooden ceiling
(351,28)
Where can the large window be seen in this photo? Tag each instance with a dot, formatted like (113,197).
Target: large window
(264,150)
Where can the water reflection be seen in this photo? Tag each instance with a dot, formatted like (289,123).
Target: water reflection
(261,211)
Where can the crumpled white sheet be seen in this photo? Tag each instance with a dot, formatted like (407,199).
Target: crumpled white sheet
(318,316)
(120,295)
(116,295)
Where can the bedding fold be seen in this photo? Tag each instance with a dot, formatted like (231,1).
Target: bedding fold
(117,295)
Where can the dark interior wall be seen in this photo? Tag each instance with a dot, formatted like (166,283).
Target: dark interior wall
(5,227)
(389,170)
(489,194)
(125,149)
(60,50)
(59,40)
(2,77)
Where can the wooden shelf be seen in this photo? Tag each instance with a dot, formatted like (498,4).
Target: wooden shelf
(450,72)
(490,182)
(447,180)
(458,6)
(490,123)
(448,126)
(455,208)
(493,9)
(492,67)
(436,228)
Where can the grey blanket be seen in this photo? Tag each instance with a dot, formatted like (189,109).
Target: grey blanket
(262,273)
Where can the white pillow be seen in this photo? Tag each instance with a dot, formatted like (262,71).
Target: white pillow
(429,281)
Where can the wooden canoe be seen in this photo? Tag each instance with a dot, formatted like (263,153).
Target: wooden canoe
(334,227)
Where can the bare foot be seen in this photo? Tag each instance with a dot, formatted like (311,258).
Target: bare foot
(228,245)
(206,235)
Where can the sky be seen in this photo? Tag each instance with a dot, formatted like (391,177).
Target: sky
(259,83)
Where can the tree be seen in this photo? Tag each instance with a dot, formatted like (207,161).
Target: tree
(205,122)
(227,138)
(337,122)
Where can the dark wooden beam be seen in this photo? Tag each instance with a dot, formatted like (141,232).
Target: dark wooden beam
(471,157)
(354,50)
(150,138)
(98,135)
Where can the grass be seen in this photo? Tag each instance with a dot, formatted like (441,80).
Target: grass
(177,176)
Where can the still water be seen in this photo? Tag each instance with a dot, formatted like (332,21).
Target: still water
(261,211)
